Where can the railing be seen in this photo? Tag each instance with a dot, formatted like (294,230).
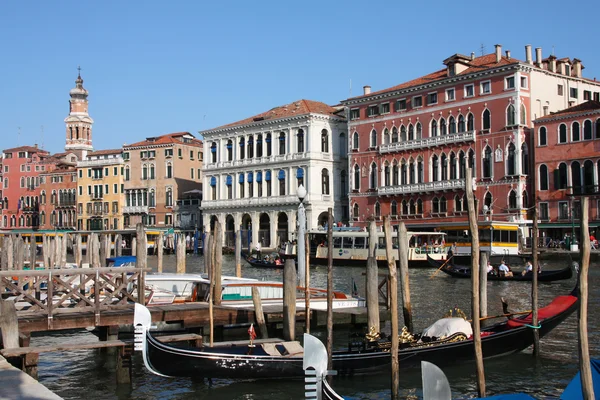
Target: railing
(422,187)
(135,210)
(265,159)
(103,161)
(51,290)
(428,142)
(250,202)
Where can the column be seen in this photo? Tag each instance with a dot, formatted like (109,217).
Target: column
(255,226)
(273,228)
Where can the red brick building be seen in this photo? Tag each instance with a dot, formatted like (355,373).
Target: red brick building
(409,144)
(567,161)
(57,201)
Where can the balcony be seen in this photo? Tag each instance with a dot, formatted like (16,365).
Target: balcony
(93,163)
(428,142)
(135,210)
(97,196)
(427,187)
(272,201)
(265,159)
(65,204)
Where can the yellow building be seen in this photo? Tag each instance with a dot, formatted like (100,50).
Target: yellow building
(100,191)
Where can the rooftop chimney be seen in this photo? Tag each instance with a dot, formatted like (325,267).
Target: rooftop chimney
(498,52)
(528,59)
(472,55)
(508,54)
(366,90)
(577,67)
(538,56)
(552,66)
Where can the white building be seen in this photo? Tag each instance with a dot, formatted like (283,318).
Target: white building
(253,168)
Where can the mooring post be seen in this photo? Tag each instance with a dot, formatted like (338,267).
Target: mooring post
(371,281)
(118,245)
(218,261)
(587,385)
(124,364)
(102,251)
(10,255)
(141,262)
(307,286)
(404,278)
(180,253)
(238,254)
(134,246)
(329,344)
(393,273)
(158,245)
(208,254)
(258,314)
(289,300)
(483,262)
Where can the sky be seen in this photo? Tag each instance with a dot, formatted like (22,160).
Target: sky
(156,67)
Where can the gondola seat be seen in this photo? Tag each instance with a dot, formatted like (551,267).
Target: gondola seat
(558,305)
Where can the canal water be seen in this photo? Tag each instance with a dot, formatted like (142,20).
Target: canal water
(91,373)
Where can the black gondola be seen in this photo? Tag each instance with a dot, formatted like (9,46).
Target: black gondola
(263,263)
(462,271)
(279,360)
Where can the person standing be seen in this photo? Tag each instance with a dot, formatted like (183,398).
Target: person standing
(258,251)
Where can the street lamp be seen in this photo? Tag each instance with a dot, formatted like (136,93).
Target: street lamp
(300,248)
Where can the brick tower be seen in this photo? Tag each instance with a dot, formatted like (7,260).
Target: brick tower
(78,123)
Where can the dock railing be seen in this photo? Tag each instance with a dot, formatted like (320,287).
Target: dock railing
(52,291)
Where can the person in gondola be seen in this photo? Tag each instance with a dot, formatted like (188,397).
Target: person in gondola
(528,268)
(490,269)
(503,270)
(258,251)
(451,253)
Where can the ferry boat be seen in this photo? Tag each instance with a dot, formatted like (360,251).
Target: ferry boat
(351,247)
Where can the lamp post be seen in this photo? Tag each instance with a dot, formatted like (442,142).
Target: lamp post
(300,248)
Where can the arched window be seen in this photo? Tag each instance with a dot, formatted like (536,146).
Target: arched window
(229,150)
(386,136)
(377,210)
(43,197)
(435,205)
(576,177)
(562,133)
(462,165)
(213,152)
(411,171)
(420,170)
(524,201)
(344,183)
(394,208)
(169,170)
(386,174)
(355,212)
(300,141)
(269,143)
(524,159)
(403,133)
(373,138)
(169,197)
(588,177)
(419,206)
(404,207)
(510,115)
(451,125)
(282,143)
(433,131)
(419,131)
(443,205)
(486,123)
(152,198)
(510,160)
(395,173)
(471,161)
(325,181)
(444,165)
(411,132)
(403,173)
(470,122)
(259,145)
(242,148)
(587,130)
(575,133)
(487,162)
(442,126)
(461,124)
(543,177)
(435,168)
(394,135)
(598,128)
(543,137)
(560,178)
(152,172)
(453,166)
(282,183)
(355,140)
(356,177)
(324,141)
(373,176)
(250,147)
(512,199)
(523,115)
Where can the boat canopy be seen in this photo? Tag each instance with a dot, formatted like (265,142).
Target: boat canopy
(120,261)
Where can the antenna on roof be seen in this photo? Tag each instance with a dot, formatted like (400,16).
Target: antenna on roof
(482,49)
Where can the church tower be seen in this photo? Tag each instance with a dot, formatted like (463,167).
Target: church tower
(78,123)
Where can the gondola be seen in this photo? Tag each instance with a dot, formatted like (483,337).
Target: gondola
(284,359)
(255,262)
(462,271)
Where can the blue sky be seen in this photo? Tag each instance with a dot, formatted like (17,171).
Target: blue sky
(154,67)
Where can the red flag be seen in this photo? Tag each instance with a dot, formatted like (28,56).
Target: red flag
(251,332)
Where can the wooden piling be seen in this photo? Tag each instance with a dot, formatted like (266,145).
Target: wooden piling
(238,254)
(289,300)
(404,278)
(102,250)
(217,263)
(307,286)
(88,252)
(9,324)
(141,261)
(393,273)
(32,252)
(158,245)
(208,254)
(118,245)
(534,283)
(258,314)
(329,288)
(483,262)
(473,226)
(78,250)
(587,385)
(180,253)
(134,246)
(63,252)
(124,364)
(5,251)
(372,281)
(20,252)
(10,255)
(57,248)
(95,251)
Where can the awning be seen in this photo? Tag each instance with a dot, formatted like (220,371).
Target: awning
(250,177)
(300,173)
(213,181)
(213,149)
(565,225)
(228,180)
(281,175)
(268,176)
(241,178)
(259,176)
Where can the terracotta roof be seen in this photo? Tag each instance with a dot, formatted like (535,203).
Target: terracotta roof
(105,152)
(589,105)
(166,139)
(479,64)
(29,149)
(298,107)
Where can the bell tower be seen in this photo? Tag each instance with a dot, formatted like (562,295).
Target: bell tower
(78,122)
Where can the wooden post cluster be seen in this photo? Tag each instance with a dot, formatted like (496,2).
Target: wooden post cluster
(289,300)
(32,252)
(473,226)
(393,274)
(371,281)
